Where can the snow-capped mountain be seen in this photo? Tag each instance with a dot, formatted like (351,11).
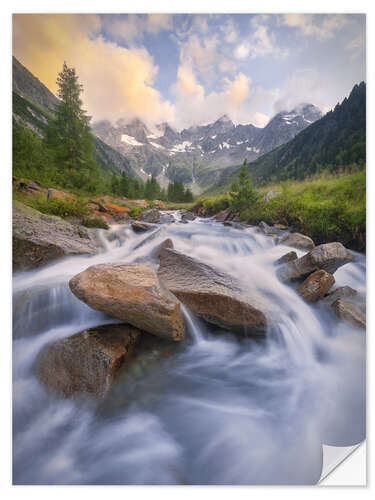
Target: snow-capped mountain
(186,155)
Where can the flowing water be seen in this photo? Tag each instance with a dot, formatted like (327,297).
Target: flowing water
(221,409)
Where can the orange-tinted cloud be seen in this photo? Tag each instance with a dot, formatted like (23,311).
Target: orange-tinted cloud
(117,81)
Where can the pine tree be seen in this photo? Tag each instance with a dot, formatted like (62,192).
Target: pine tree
(68,136)
(244,195)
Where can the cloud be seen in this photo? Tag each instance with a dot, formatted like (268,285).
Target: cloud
(261,42)
(195,106)
(260,120)
(357,45)
(118,82)
(302,86)
(322,26)
(133,27)
(230,31)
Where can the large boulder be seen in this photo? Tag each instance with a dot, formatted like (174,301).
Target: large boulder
(329,256)
(316,285)
(132,293)
(213,295)
(152,216)
(343,292)
(39,238)
(87,361)
(349,312)
(297,240)
(167,243)
(27,186)
(141,227)
(288,257)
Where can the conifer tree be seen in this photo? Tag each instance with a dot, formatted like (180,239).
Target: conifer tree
(68,135)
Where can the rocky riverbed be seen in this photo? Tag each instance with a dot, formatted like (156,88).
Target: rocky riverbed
(216,295)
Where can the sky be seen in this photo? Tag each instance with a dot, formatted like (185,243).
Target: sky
(190,69)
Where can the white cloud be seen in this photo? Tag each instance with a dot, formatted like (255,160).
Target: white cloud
(261,42)
(132,27)
(322,26)
(194,106)
(260,119)
(357,45)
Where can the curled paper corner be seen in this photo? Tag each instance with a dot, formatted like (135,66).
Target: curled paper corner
(333,456)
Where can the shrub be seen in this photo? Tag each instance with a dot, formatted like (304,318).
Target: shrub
(95,222)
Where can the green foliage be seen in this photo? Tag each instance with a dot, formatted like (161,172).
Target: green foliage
(68,138)
(96,222)
(134,211)
(335,143)
(55,206)
(329,207)
(177,193)
(213,204)
(243,193)
(30,157)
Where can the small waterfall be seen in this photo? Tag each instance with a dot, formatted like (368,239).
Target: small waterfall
(194,329)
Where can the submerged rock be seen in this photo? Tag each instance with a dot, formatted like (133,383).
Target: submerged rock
(316,285)
(297,240)
(140,227)
(213,295)
(288,257)
(349,312)
(187,216)
(343,292)
(87,361)
(329,256)
(39,238)
(132,293)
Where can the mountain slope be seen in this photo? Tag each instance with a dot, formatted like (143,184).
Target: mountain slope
(332,143)
(33,107)
(190,155)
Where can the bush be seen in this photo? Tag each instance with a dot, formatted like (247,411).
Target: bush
(56,206)
(95,222)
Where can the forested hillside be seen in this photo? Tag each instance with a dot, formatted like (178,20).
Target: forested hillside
(336,142)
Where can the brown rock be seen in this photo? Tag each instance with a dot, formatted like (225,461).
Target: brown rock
(280,227)
(213,295)
(151,216)
(288,257)
(297,240)
(140,227)
(349,312)
(168,243)
(187,216)
(343,292)
(39,238)
(316,285)
(222,215)
(160,204)
(87,361)
(329,256)
(133,294)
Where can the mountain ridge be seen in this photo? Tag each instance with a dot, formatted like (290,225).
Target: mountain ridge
(332,143)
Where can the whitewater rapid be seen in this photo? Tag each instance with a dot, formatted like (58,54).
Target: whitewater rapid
(222,409)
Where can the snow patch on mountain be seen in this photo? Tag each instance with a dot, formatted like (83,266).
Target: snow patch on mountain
(128,139)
